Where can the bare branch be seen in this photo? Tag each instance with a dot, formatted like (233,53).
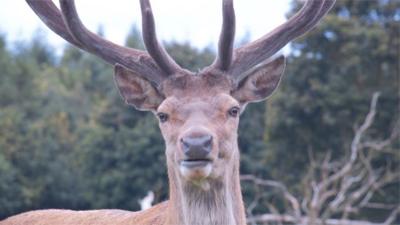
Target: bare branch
(340,188)
(287,219)
(367,123)
(287,195)
(392,216)
(381,145)
(355,143)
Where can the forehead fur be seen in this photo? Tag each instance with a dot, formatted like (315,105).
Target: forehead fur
(196,85)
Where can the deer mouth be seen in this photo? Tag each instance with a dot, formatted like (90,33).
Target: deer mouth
(195,169)
(195,163)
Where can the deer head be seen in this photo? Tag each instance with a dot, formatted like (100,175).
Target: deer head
(198,112)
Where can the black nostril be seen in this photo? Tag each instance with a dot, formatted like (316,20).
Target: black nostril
(197,147)
(185,144)
(208,142)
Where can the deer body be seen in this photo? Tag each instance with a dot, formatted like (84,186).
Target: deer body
(198,112)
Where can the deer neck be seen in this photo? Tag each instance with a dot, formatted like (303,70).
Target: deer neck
(219,203)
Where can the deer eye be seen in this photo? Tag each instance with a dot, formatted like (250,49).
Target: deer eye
(234,111)
(163,117)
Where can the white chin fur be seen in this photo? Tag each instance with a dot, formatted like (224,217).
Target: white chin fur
(196,173)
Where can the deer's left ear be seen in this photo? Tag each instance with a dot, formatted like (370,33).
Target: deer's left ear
(261,82)
(136,90)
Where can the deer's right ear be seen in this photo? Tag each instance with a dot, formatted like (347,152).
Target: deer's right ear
(136,90)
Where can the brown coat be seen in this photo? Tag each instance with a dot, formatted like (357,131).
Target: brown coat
(154,216)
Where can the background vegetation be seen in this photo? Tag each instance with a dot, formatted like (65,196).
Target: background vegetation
(68,141)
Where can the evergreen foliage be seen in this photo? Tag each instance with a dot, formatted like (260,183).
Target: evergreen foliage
(67,140)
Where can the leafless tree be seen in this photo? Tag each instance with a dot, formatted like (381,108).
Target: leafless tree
(336,190)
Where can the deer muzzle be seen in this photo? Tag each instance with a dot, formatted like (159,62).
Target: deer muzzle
(196,148)
(197,161)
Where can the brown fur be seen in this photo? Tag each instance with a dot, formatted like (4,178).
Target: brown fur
(155,215)
(200,107)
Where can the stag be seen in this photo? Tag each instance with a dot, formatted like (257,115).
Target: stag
(198,112)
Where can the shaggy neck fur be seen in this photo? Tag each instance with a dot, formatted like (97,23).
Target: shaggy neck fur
(219,202)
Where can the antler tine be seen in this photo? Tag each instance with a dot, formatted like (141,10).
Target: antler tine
(163,60)
(260,50)
(227,36)
(138,61)
(51,16)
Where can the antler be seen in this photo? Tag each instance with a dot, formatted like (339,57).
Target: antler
(227,36)
(68,25)
(163,60)
(157,65)
(254,53)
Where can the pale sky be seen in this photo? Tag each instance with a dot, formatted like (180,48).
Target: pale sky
(195,21)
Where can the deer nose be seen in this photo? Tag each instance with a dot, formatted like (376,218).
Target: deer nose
(197,147)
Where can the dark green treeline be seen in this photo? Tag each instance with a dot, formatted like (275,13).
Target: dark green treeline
(68,141)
